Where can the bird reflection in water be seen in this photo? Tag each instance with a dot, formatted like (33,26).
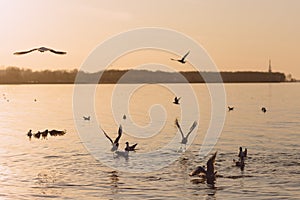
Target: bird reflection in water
(114,181)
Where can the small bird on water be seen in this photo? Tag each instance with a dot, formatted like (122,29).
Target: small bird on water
(41,49)
(230,108)
(130,148)
(209,173)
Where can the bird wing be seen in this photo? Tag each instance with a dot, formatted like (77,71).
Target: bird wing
(211,164)
(178,126)
(185,55)
(107,136)
(192,128)
(119,134)
(57,52)
(133,146)
(197,171)
(24,52)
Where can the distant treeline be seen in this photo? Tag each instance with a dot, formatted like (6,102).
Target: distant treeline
(15,75)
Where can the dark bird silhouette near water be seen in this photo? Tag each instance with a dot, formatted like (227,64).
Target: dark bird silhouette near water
(184,139)
(263,109)
(176,100)
(41,49)
(44,133)
(57,132)
(209,174)
(230,108)
(115,144)
(130,148)
(182,60)
(29,134)
(240,163)
(242,153)
(37,135)
(87,118)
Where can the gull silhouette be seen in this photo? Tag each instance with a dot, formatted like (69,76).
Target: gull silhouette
(41,49)
(209,173)
(185,138)
(130,148)
(182,60)
(87,118)
(230,108)
(115,144)
(176,100)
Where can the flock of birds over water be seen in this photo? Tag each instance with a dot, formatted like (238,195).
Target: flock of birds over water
(208,173)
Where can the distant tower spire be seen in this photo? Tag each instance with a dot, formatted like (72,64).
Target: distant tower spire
(270,67)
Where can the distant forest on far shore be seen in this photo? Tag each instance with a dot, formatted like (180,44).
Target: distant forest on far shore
(15,75)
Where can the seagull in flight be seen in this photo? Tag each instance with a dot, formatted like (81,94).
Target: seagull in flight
(176,100)
(41,49)
(209,173)
(115,144)
(87,118)
(185,138)
(182,60)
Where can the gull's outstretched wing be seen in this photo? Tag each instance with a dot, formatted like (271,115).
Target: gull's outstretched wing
(211,164)
(119,134)
(107,136)
(57,52)
(185,55)
(178,126)
(192,128)
(24,52)
(198,171)
(133,146)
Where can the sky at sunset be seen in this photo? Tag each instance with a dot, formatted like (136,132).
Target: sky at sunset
(238,35)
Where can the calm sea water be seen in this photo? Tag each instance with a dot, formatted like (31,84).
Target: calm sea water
(62,168)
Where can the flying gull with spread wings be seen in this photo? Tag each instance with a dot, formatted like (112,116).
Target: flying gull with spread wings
(41,49)
(209,173)
(115,144)
(184,139)
(182,60)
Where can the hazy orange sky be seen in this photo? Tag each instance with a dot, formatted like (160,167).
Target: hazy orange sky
(238,35)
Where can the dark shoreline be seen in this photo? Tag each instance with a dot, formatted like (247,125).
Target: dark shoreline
(13,75)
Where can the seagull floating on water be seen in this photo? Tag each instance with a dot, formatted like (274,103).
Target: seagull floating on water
(130,148)
(87,118)
(41,49)
(57,132)
(29,134)
(115,144)
(242,153)
(230,108)
(209,173)
(185,138)
(44,134)
(176,100)
(182,60)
